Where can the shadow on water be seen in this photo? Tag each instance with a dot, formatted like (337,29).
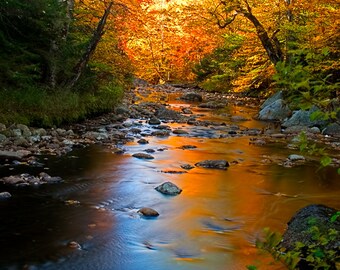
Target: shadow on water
(212,224)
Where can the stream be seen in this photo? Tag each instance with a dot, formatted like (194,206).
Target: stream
(212,224)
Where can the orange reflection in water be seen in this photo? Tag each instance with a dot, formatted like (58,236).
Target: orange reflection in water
(222,212)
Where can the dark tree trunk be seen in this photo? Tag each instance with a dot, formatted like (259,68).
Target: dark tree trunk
(80,67)
(271,45)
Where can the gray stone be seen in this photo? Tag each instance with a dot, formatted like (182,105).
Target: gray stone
(99,136)
(5,195)
(295,157)
(180,131)
(277,110)
(143,156)
(24,130)
(169,188)
(11,155)
(148,212)
(16,132)
(332,130)
(213,164)
(154,121)
(192,97)
(166,114)
(39,132)
(303,118)
(2,138)
(278,95)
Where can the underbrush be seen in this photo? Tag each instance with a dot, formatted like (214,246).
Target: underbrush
(36,106)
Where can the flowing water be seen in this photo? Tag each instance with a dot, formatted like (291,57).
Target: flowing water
(212,224)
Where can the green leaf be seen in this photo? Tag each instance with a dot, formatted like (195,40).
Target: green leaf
(325,161)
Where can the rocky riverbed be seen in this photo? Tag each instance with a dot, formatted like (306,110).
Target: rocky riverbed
(146,105)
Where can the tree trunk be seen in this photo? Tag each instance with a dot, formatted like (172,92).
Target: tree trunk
(80,67)
(61,37)
(271,45)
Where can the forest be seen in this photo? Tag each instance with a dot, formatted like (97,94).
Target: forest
(66,60)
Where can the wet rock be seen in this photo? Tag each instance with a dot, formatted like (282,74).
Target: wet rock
(295,157)
(149,150)
(168,188)
(166,114)
(96,135)
(332,129)
(143,156)
(26,179)
(162,127)
(5,195)
(213,164)
(188,146)
(49,179)
(12,155)
(277,110)
(73,245)
(148,212)
(143,141)
(192,97)
(303,118)
(160,133)
(135,130)
(154,121)
(180,132)
(117,150)
(173,171)
(187,111)
(300,230)
(187,166)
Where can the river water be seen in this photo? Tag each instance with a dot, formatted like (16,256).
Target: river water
(212,224)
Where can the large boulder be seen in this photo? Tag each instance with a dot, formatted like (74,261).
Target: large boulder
(278,110)
(303,118)
(272,99)
(312,226)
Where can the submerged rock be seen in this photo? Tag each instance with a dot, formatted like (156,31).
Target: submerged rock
(213,164)
(148,212)
(168,188)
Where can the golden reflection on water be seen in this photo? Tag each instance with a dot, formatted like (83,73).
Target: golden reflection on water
(224,211)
